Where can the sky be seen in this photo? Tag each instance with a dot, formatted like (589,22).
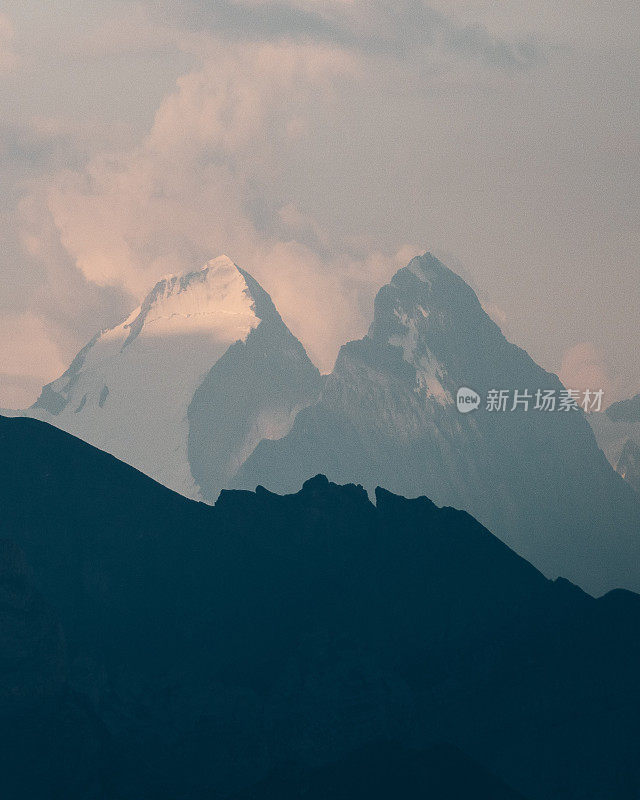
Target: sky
(321,145)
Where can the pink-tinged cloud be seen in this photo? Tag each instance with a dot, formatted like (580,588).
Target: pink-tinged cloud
(497,314)
(179,198)
(310,146)
(27,356)
(583,367)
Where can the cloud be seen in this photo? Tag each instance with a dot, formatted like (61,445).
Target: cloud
(182,195)
(47,307)
(33,346)
(497,314)
(584,367)
(93,226)
(314,141)
(325,301)
(32,357)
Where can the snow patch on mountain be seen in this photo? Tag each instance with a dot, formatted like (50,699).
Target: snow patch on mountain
(215,300)
(429,372)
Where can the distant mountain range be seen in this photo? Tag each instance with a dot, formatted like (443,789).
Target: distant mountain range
(204,387)
(154,647)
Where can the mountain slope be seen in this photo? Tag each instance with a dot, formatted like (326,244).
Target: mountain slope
(212,644)
(387,416)
(629,464)
(618,433)
(159,391)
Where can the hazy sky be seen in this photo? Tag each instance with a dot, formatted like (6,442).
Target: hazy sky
(321,145)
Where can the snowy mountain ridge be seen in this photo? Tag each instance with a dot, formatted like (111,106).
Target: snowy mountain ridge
(215,299)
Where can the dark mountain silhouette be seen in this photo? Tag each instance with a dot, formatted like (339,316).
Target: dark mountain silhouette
(205,646)
(387,415)
(52,743)
(385,770)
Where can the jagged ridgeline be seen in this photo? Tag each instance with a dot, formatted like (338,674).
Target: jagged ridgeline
(317,644)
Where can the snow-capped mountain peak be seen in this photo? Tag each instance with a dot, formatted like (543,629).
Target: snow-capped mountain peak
(216,299)
(197,338)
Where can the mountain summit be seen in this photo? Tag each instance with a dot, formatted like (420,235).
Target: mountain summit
(387,415)
(216,300)
(186,387)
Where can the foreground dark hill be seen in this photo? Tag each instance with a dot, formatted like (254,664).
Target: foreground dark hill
(192,651)
(387,416)
(385,770)
(52,743)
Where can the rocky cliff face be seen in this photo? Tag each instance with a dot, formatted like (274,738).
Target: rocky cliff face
(618,433)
